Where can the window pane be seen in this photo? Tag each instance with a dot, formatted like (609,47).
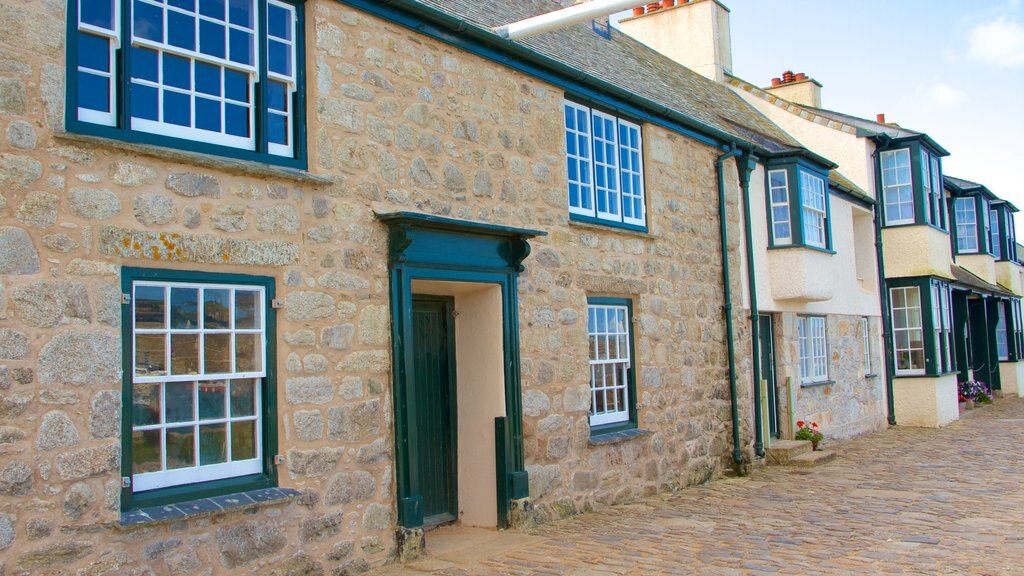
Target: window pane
(208,114)
(177,71)
(177,108)
(184,308)
(236,120)
(243,440)
(236,85)
(241,12)
(212,397)
(182,30)
(181,451)
(243,398)
(149,307)
(216,309)
(184,354)
(145,102)
(279,22)
(247,312)
(179,401)
(212,38)
(277,129)
(147,21)
(145,64)
(208,79)
(150,356)
(99,13)
(146,451)
(279,57)
(217,353)
(93,92)
(189,5)
(240,47)
(277,94)
(213,447)
(212,8)
(93,52)
(145,404)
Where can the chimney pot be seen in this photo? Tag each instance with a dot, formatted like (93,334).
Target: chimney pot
(652,6)
(880,118)
(638,11)
(787,76)
(776,81)
(801,76)
(668,3)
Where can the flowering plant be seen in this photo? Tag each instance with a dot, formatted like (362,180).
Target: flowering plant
(975,390)
(808,431)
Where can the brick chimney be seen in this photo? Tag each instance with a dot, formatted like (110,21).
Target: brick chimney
(694,33)
(797,88)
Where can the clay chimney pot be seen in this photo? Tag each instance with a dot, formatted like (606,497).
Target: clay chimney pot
(776,81)
(880,118)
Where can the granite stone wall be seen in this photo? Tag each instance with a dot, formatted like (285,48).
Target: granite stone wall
(395,122)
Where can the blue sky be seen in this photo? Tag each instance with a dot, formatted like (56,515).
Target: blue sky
(952,69)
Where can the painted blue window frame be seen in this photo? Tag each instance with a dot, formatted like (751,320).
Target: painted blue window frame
(120,116)
(795,171)
(631,422)
(131,500)
(604,163)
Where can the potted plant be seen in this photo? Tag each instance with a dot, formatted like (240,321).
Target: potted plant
(975,392)
(808,431)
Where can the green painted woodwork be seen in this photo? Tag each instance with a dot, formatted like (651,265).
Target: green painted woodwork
(933,364)
(433,353)
(960,335)
(793,165)
(914,144)
(122,130)
(426,247)
(268,391)
(982,342)
(766,330)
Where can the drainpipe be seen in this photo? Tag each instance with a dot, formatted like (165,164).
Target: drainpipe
(737,452)
(745,166)
(565,17)
(883,294)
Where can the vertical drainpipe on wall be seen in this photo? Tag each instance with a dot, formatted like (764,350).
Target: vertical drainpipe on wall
(745,166)
(737,452)
(883,295)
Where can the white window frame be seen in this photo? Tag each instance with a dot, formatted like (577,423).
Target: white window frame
(995,248)
(965,211)
(616,173)
(606,146)
(940,192)
(782,204)
(814,204)
(893,187)
(945,311)
(200,473)
(813,344)
(113,37)
(931,214)
(620,363)
(909,328)
(1002,336)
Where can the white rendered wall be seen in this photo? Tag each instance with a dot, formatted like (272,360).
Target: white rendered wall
(981,265)
(1011,376)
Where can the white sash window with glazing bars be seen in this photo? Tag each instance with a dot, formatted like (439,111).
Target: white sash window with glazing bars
(610,363)
(966,225)
(908,330)
(897,187)
(778,190)
(198,359)
(815,212)
(813,349)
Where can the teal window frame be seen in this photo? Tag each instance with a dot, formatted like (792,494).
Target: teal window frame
(982,234)
(1004,232)
(632,421)
(794,170)
(121,63)
(268,390)
(930,201)
(936,325)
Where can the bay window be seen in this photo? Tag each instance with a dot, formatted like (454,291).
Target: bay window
(798,205)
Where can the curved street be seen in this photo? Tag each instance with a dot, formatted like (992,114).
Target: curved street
(903,501)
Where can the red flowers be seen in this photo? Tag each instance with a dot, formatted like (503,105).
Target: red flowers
(799,423)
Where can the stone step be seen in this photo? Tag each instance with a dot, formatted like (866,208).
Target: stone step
(782,451)
(816,458)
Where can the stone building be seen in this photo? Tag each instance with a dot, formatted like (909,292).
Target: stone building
(285,281)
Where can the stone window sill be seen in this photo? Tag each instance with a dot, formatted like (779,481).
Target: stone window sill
(871,376)
(619,437)
(243,167)
(611,228)
(817,384)
(206,507)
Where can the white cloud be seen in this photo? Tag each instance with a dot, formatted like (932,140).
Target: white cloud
(945,97)
(999,42)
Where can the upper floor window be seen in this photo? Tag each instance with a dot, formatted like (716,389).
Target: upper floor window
(1002,344)
(612,380)
(799,214)
(912,186)
(605,168)
(897,187)
(1002,233)
(965,212)
(994,240)
(213,76)
(813,349)
(198,379)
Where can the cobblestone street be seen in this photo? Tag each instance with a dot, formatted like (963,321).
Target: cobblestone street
(904,501)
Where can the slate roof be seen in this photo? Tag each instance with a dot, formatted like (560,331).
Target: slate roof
(967,279)
(630,65)
(961,185)
(844,184)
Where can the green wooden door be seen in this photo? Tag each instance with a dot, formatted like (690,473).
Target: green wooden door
(433,349)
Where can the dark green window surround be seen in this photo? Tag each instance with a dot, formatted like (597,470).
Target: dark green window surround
(793,168)
(981,228)
(924,208)
(630,370)
(1007,231)
(268,392)
(940,356)
(1014,330)
(264,120)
